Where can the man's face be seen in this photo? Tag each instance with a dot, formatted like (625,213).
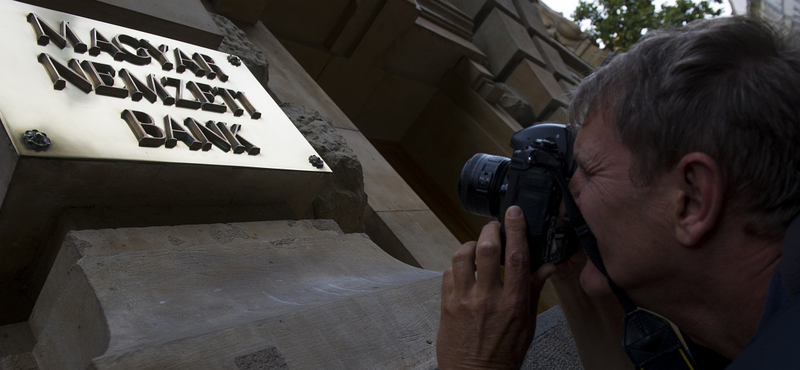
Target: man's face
(629,221)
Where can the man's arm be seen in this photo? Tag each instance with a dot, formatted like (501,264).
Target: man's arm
(487,323)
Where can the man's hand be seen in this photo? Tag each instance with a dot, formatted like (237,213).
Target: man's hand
(487,323)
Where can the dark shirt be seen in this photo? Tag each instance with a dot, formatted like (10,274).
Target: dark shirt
(777,341)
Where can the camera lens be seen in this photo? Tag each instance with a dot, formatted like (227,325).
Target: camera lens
(480,188)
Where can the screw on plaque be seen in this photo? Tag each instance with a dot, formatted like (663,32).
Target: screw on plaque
(233,59)
(36,140)
(316,161)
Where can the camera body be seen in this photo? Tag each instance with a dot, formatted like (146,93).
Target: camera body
(489,184)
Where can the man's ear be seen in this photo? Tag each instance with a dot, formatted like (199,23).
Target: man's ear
(700,197)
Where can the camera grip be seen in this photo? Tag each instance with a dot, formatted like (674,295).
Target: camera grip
(535,191)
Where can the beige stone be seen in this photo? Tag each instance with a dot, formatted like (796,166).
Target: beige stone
(505,43)
(479,9)
(415,237)
(290,82)
(355,27)
(540,87)
(349,83)
(392,107)
(554,62)
(530,18)
(342,197)
(427,38)
(299,294)
(386,190)
(307,21)
(473,73)
(15,339)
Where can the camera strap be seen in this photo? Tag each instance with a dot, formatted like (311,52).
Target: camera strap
(649,340)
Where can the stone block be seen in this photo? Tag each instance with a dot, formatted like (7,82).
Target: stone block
(386,190)
(342,198)
(554,62)
(505,43)
(235,42)
(441,48)
(299,294)
(417,238)
(305,21)
(15,339)
(472,73)
(392,107)
(531,18)
(290,82)
(354,28)
(559,116)
(349,83)
(478,10)
(540,88)
(241,10)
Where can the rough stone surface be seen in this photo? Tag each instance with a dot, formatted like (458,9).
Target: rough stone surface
(553,346)
(235,42)
(264,359)
(22,361)
(516,105)
(343,199)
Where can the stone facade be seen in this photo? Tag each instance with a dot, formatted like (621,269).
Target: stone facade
(395,95)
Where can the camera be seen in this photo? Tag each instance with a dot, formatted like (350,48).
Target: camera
(532,179)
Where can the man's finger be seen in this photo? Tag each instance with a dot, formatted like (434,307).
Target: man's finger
(464,267)
(517,272)
(487,257)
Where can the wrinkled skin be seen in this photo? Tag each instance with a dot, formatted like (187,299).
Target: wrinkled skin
(488,322)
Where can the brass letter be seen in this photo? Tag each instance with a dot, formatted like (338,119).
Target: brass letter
(175,132)
(44,33)
(254,114)
(213,134)
(182,62)
(204,93)
(197,132)
(137,88)
(156,53)
(222,128)
(249,147)
(227,97)
(147,133)
(139,57)
(209,63)
(102,76)
(179,100)
(162,93)
(99,43)
(59,73)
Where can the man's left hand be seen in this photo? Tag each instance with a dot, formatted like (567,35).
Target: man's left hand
(488,323)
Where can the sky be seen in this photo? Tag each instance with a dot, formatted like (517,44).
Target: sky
(566,7)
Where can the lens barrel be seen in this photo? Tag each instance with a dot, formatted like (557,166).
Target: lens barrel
(481,182)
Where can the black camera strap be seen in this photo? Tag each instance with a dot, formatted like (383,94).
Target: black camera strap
(649,340)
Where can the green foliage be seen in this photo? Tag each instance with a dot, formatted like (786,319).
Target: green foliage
(618,24)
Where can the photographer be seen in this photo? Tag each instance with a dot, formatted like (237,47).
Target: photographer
(688,177)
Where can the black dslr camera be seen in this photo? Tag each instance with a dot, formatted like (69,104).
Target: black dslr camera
(490,184)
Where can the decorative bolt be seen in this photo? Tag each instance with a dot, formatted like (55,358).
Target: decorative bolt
(316,161)
(233,59)
(38,141)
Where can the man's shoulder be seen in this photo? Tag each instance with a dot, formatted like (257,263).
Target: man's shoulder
(776,344)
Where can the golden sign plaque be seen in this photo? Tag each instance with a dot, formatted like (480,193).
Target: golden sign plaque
(107,127)
(82,89)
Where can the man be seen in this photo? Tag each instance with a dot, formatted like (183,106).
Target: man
(688,159)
